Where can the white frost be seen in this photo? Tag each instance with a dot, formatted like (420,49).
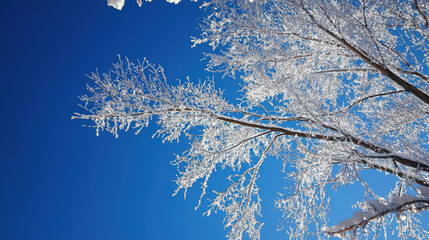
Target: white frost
(118,4)
(375,209)
(173,1)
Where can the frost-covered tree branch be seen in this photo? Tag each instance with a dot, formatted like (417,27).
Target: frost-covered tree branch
(378,209)
(332,88)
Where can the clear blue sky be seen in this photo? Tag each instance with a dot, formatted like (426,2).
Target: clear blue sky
(57,179)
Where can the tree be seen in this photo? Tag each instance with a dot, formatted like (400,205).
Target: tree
(332,88)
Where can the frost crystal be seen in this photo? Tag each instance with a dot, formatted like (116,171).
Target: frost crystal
(118,4)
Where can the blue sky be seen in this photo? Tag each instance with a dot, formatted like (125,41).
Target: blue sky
(57,179)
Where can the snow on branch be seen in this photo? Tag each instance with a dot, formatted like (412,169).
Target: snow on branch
(377,208)
(131,94)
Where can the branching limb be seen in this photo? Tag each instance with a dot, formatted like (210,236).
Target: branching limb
(378,209)
(383,70)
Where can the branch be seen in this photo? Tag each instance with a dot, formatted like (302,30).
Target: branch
(365,98)
(290,132)
(378,209)
(383,70)
(241,142)
(344,70)
(403,159)
(425,18)
(346,138)
(257,166)
(395,172)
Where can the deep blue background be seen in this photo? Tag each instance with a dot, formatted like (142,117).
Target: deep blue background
(57,179)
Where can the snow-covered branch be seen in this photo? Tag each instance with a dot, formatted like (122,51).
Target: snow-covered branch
(376,209)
